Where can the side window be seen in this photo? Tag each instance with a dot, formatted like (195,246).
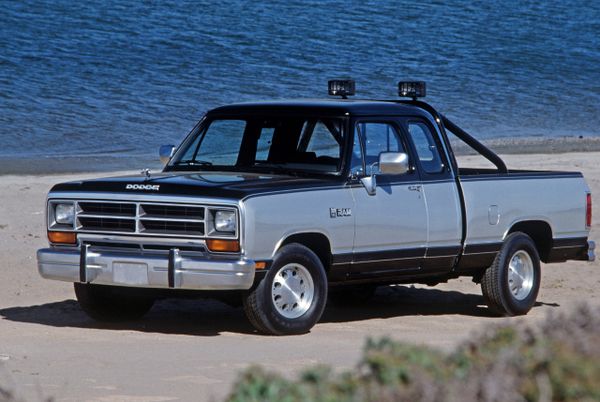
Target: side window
(378,138)
(426,147)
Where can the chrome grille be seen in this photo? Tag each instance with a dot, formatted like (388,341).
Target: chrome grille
(141,218)
(173,227)
(171,211)
(104,208)
(109,224)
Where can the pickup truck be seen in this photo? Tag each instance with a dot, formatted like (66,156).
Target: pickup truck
(284,204)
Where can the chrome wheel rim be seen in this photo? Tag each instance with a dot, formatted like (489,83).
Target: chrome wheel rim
(292,291)
(520,275)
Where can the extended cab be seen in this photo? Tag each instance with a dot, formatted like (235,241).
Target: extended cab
(284,203)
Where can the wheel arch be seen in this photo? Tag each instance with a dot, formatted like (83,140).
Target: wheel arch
(540,232)
(317,242)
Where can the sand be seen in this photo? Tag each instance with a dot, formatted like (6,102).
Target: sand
(194,350)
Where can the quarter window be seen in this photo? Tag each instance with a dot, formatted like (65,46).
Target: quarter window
(426,147)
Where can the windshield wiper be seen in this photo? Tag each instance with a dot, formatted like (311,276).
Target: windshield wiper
(191,162)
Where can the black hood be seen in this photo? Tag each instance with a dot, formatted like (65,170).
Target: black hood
(234,185)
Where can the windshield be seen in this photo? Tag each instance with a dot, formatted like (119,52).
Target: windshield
(264,143)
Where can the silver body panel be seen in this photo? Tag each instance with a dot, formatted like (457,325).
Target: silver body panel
(558,201)
(443,212)
(392,219)
(271,218)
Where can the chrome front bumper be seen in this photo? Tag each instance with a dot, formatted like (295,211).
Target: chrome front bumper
(144,270)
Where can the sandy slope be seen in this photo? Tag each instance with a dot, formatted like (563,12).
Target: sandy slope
(194,349)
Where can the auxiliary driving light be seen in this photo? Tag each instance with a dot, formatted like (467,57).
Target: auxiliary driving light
(343,88)
(411,89)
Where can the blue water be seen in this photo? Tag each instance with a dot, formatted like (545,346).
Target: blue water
(121,78)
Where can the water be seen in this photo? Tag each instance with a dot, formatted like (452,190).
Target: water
(120,78)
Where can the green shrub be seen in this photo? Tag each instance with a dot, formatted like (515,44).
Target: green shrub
(558,360)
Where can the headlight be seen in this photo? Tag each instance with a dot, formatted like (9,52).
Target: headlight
(64,214)
(225,221)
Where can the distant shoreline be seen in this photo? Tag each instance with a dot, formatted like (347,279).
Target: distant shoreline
(28,165)
(534,145)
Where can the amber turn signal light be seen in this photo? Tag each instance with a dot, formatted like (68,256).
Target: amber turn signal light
(260,265)
(62,237)
(228,246)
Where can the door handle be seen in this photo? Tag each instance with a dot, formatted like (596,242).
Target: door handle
(415,188)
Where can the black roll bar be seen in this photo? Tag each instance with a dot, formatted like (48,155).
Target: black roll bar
(476,145)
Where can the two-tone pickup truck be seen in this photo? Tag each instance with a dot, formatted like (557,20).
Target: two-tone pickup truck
(284,203)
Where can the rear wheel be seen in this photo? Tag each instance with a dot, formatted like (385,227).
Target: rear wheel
(510,286)
(112,303)
(292,296)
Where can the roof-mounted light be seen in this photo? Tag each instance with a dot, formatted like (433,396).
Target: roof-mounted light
(411,89)
(343,88)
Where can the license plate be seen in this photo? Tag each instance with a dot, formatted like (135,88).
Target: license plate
(130,273)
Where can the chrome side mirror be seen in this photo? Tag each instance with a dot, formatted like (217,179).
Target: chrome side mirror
(389,163)
(393,163)
(166,152)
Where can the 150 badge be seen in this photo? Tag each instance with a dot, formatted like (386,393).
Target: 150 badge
(339,212)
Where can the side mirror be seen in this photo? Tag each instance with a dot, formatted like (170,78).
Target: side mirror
(166,152)
(389,163)
(393,163)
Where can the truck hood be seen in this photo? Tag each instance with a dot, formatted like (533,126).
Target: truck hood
(234,185)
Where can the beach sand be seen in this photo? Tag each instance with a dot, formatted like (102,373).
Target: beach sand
(193,350)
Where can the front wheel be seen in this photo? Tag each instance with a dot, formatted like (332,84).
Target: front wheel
(292,296)
(510,286)
(112,303)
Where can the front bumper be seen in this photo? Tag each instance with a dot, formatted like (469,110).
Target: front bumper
(138,269)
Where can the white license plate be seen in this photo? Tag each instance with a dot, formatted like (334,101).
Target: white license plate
(130,273)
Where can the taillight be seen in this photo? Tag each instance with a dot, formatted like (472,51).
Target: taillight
(588,211)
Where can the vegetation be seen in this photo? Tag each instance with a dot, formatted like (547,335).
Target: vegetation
(558,360)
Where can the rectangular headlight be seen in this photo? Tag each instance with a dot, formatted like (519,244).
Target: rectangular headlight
(225,221)
(64,213)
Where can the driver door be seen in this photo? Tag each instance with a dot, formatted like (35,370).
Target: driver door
(391,226)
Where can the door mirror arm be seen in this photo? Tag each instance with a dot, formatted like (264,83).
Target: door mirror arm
(370,182)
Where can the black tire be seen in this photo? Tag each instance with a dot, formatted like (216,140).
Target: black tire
(351,296)
(259,303)
(495,283)
(112,303)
